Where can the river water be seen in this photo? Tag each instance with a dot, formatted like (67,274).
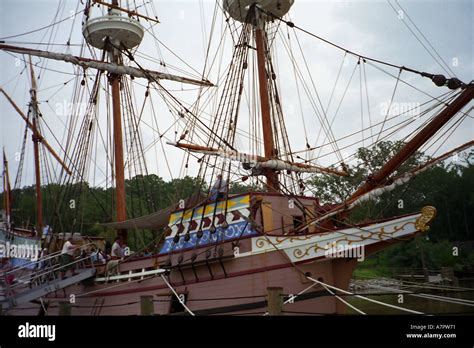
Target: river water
(427,306)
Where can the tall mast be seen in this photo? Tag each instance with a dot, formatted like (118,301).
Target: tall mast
(36,140)
(268,142)
(7,196)
(120,200)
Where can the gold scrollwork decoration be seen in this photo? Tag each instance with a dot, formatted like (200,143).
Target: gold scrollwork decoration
(421,224)
(299,253)
(428,213)
(376,235)
(260,242)
(279,240)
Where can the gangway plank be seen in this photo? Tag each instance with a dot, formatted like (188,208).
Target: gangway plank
(45,289)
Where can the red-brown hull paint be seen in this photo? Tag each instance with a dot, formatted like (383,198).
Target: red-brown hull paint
(246,283)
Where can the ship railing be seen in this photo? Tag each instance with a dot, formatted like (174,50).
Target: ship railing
(12,289)
(7,292)
(30,265)
(48,274)
(38,261)
(113,19)
(45,270)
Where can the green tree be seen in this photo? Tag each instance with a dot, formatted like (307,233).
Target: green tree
(449,187)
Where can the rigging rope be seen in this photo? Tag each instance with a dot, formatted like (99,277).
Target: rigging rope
(439,80)
(365,298)
(389,105)
(177,296)
(463,302)
(405,13)
(41,28)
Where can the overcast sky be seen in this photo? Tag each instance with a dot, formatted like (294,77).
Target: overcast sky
(371,28)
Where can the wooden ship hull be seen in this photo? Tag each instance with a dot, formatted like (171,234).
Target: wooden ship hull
(225,256)
(229,271)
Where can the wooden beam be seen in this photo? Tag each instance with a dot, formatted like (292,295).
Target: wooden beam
(7,194)
(268,142)
(242,157)
(120,197)
(414,144)
(35,115)
(274,300)
(39,198)
(86,63)
(131,13)
(120,194)
(267,217)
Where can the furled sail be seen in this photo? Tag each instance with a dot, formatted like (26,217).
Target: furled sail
(259,161)
(157,220)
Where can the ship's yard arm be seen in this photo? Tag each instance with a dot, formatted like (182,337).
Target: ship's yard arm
(256,160)
(128,12)
(109,67)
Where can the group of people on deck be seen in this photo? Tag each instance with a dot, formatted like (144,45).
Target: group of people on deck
(118,249)
(70,250)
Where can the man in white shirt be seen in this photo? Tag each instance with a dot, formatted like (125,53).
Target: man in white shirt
(116,251)
(219,189)
(67,258)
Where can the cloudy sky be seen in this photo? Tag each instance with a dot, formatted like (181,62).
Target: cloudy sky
(372,28)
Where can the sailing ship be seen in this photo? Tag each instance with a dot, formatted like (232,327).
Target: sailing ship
(224,253)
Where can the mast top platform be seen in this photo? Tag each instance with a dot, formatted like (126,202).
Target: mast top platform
(121,31)
(238,9)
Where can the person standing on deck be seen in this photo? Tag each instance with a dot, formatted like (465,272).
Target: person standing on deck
(46,232)
(116,252)
(219,189)
(67,258)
